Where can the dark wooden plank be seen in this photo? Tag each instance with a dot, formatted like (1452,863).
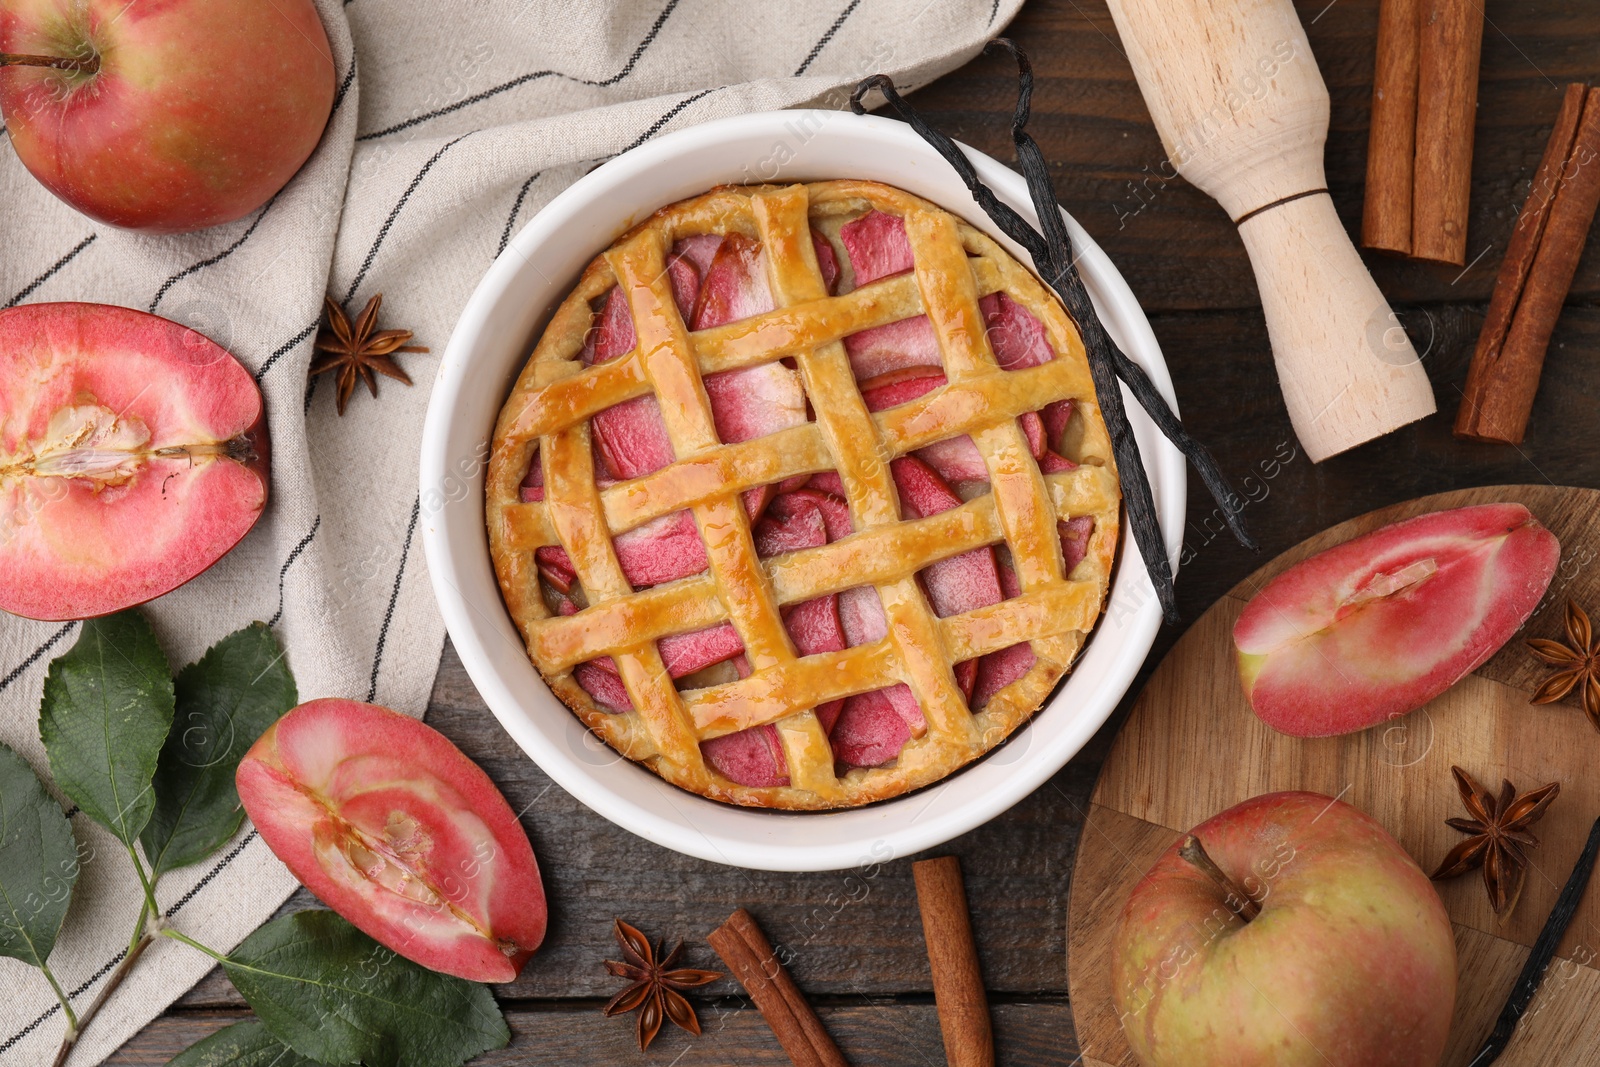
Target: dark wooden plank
(882,1035)
(1173,243)
(1232,404)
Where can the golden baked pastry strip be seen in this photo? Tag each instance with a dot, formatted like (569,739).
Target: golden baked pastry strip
(555,396)
(785,331)
(989,398)
(861,457)
(569,470)
(866,558)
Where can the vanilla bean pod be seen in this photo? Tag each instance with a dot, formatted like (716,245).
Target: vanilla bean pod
(1069,284)
(1543,951)
(1052,255)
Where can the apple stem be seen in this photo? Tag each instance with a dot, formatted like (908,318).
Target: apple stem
(1194,853)
(135,950)
(88,65)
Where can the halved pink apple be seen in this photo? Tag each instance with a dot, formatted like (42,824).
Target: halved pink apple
(133,455)
(395,829)
(1380,625)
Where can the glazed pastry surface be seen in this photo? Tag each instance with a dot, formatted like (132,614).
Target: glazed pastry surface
(570,504)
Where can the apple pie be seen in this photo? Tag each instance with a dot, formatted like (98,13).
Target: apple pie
(804,499)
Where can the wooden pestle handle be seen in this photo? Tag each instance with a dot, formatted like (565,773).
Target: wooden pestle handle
(1243,113)
(1347,369)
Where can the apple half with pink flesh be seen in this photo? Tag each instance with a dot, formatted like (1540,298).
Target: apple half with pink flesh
(133,455)
(169,115)
(1380,625)
(1314,939)
(394,828)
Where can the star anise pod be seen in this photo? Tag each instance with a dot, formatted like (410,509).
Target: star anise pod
(655,988)
(1577,663)
(356,351)
(1499,836)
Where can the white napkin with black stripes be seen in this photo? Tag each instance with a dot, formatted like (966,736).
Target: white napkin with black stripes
(454,123)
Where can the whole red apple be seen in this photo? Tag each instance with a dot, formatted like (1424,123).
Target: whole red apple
(1342,954)
(169,115)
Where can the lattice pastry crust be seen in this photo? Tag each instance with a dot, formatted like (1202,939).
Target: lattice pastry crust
(547,420)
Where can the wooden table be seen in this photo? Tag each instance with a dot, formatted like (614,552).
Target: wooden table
(857,942)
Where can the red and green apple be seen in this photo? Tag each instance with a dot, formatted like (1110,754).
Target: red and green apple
(1293,931)
(166,115)
(1380,625)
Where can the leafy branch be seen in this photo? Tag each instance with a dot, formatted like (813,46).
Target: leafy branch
(152,758)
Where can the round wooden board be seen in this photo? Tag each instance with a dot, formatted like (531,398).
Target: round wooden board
(1191,747)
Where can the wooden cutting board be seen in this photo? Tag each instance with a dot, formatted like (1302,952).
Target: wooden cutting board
(1191,747)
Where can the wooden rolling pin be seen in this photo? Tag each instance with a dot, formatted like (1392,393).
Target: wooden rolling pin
(1243,113)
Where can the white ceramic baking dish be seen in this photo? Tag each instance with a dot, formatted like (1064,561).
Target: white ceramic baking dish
(492,340)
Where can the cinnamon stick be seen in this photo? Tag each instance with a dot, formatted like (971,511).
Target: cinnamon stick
(1450,42)
(1391,144)
(953,957)
(749,956)
(1535,276)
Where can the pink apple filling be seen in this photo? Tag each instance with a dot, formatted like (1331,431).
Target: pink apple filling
(717,280)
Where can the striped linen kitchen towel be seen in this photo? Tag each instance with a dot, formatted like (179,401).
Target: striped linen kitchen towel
(454,123)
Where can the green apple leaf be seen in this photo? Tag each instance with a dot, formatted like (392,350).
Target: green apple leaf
(332,993)
(106,711)
(38,863)
(246,1044)
(225,701)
